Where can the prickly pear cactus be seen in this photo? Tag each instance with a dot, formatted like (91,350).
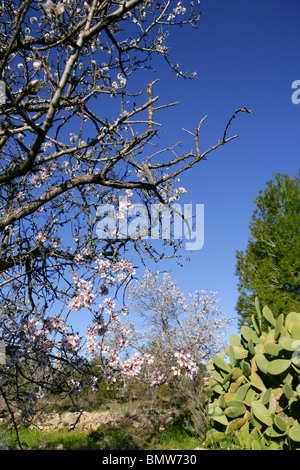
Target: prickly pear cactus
(254,387)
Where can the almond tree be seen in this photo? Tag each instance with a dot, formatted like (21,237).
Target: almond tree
(187,331)
(74,134)
(173,338)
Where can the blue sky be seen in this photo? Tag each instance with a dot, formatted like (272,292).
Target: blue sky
(245,54)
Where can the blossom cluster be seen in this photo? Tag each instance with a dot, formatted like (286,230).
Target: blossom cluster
(33,397)
(185,362)
(179,9)
(84,296)
(157,379)
(54,324)
(83,257)
(37,335)
(71,342)
(51,8)
(122,82)
(133,366)
(45,173)
(107,269)
(43,237)
(75,385)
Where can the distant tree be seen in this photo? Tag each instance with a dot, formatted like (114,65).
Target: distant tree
(192,329)
(270,266)
(180,334)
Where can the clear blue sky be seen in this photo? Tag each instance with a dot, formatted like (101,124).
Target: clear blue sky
(245,54)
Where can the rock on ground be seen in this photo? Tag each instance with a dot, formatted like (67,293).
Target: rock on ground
(90,421)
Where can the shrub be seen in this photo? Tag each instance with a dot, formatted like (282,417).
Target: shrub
(254,395)
(113,438)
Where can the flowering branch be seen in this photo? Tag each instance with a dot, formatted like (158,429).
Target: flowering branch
(74,137)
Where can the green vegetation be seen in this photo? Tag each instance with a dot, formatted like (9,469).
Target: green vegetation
(32,439)
(174,436)
(270,267)
(255,397)
(251,401)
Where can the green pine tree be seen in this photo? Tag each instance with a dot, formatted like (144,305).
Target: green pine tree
(270,266)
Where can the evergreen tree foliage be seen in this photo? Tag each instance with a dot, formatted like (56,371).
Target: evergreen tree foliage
(270,266)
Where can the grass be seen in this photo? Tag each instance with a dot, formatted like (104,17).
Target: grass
(57,440)
(104,438)
(175,438)
(179,435)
